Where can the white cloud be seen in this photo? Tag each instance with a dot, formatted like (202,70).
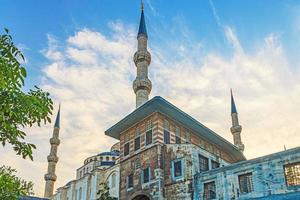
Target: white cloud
(91,74)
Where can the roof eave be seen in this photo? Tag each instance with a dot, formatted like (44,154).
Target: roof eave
(162,106)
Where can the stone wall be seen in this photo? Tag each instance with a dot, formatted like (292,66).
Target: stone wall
(268,177)
(147,158)
(189,153)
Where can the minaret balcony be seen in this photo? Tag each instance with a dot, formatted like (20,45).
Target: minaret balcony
(55,141)
(52,158)
(50,177)
(142,84)
(141,56)
(236,129)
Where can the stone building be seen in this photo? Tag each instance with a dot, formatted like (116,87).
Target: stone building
(97,169)
(165,154)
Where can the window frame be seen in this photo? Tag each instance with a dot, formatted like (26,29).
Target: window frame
(139,146)
(250,188)
(214,163)
(176,178)
(286,175)
(127,182)
(113,180)
(177,135)
(143,174)
(146,142)
(204,158)
(213,183)
(167,140)
(127,143)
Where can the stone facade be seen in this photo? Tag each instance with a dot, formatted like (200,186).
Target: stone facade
(101,168)
(158,156)
(266,178)
(189,153)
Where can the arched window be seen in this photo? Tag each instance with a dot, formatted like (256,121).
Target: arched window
(80,193)
(113,180)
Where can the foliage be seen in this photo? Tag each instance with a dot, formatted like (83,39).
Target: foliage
(18,109)
(12,187)
(103,193)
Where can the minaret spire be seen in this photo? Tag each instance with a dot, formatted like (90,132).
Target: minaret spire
(142,58)
(236,129)
(50,177)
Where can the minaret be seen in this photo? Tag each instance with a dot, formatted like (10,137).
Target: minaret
(236,129)
(50,177)
(142,85)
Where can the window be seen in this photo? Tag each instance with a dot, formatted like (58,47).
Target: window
(80,193)
(137,143)
(130,181)
(113,158)
(137,163)
(187,137)
(113,180)
(215,164)
(166,132)
(126,149)
(148,137)
(101,158)
(166,137)
(149,125)
(292,174)
(76,194)
(245,183)
(146,175)
(177,135)
(203,163)
(209,191)
(177,169)
(107,158)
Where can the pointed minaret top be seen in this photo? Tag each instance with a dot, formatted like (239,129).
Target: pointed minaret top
(57,121)
(142,27)
(233,108)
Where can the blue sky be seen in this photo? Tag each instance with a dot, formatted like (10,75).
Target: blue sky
(81,52)
(30,22)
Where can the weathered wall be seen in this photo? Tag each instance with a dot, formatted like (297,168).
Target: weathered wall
(89,185)
(183,189)
(267,176)
(146,158)
(150,155)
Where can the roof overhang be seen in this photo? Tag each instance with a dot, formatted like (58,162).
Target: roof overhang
(159,104)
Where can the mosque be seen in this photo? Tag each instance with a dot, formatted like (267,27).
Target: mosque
(165,154)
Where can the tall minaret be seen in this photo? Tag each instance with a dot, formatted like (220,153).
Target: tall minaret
(50,177)
(142,85)
(236,129)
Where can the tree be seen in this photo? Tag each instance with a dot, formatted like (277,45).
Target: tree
(18,109)
(12,187)
(103,193)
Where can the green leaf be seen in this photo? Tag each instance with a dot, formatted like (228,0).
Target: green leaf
(23,72)
(18,109)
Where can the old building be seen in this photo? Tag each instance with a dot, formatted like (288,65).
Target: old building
(165,154)
(97,169)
